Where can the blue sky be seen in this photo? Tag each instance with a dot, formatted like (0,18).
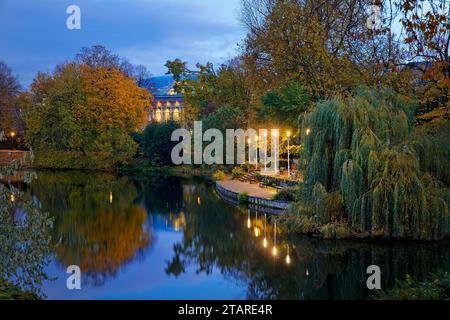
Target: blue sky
(34,36)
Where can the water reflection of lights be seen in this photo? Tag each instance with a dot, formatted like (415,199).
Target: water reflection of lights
(256,229)
(277,248)
(265,231)
(110,197)
(199,201)
(274,250)
(307,273)
(288,258)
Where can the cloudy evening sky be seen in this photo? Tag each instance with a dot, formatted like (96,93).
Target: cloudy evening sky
(34,36)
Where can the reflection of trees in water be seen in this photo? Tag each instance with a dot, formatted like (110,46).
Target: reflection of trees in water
(161,195)
(217,236)
(24,240)
(98,226)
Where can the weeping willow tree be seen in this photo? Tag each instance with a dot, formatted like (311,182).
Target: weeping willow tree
(366,166)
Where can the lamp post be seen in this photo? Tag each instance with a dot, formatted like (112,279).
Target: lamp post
(275,157)
(249,150)
(289,162)
(265,150)
(256,153)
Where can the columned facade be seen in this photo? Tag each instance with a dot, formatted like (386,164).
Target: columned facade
(166,107)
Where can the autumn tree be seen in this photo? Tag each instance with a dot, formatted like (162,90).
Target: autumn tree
(312,42)
(427,34)
(11,117)
(84,113)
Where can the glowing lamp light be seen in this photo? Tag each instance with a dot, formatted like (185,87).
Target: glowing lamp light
(248,140)
(307,272)
(12,134)
(13,198)
(288,133)
(265,243)
(199,201)
(110,197)
(308,131)
(249,223)
(257,232)
(275,132)
(274,251)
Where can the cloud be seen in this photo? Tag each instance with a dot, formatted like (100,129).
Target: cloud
(148,32)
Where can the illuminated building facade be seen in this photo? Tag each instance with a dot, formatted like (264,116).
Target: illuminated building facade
(167,104)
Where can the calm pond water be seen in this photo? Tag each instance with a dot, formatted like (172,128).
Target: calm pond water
(170,238)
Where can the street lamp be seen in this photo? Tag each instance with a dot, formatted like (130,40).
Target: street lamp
(289,162)
(249,150)
(256,153)
(275,134)
(265,150)
(12,134)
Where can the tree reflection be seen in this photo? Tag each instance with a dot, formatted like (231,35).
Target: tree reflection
(98,224)
(25,233)
(218,236)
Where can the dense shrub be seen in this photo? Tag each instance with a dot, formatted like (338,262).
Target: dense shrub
(157,144)
(286,194)
(237,172)
(242,197)
(219,175)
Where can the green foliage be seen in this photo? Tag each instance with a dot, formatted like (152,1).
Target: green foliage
(25,241)
(286,194)
(285,105)
(225,118)
(364,166)
(219,175)
(242,197)
(436,287)
(157,145)
(206,89)
(9,291)
(237,172)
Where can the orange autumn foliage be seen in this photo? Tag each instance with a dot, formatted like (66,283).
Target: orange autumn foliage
(113,100)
